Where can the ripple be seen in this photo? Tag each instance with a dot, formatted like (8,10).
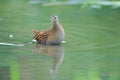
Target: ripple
(11,44)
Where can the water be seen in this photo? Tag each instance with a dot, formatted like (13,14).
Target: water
(90,52)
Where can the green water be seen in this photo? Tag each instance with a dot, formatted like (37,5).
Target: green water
(91,51)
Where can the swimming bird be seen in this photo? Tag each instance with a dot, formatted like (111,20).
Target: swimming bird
(53,36)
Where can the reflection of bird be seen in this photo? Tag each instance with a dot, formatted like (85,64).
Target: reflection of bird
(53,36)
(56,52)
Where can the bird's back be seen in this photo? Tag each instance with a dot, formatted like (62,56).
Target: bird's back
(41,36)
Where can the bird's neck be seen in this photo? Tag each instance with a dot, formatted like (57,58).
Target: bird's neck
(55,24)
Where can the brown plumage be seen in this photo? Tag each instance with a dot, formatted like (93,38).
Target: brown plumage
(55,35)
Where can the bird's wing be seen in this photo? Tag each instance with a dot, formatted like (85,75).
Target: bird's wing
(42,36)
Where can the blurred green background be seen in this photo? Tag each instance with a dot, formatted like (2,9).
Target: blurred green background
(91,51)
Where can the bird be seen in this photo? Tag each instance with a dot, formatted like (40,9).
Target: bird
(52,36)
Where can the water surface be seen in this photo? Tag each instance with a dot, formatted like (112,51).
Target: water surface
(91,51)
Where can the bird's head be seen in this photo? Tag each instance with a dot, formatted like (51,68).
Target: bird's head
(54,18)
